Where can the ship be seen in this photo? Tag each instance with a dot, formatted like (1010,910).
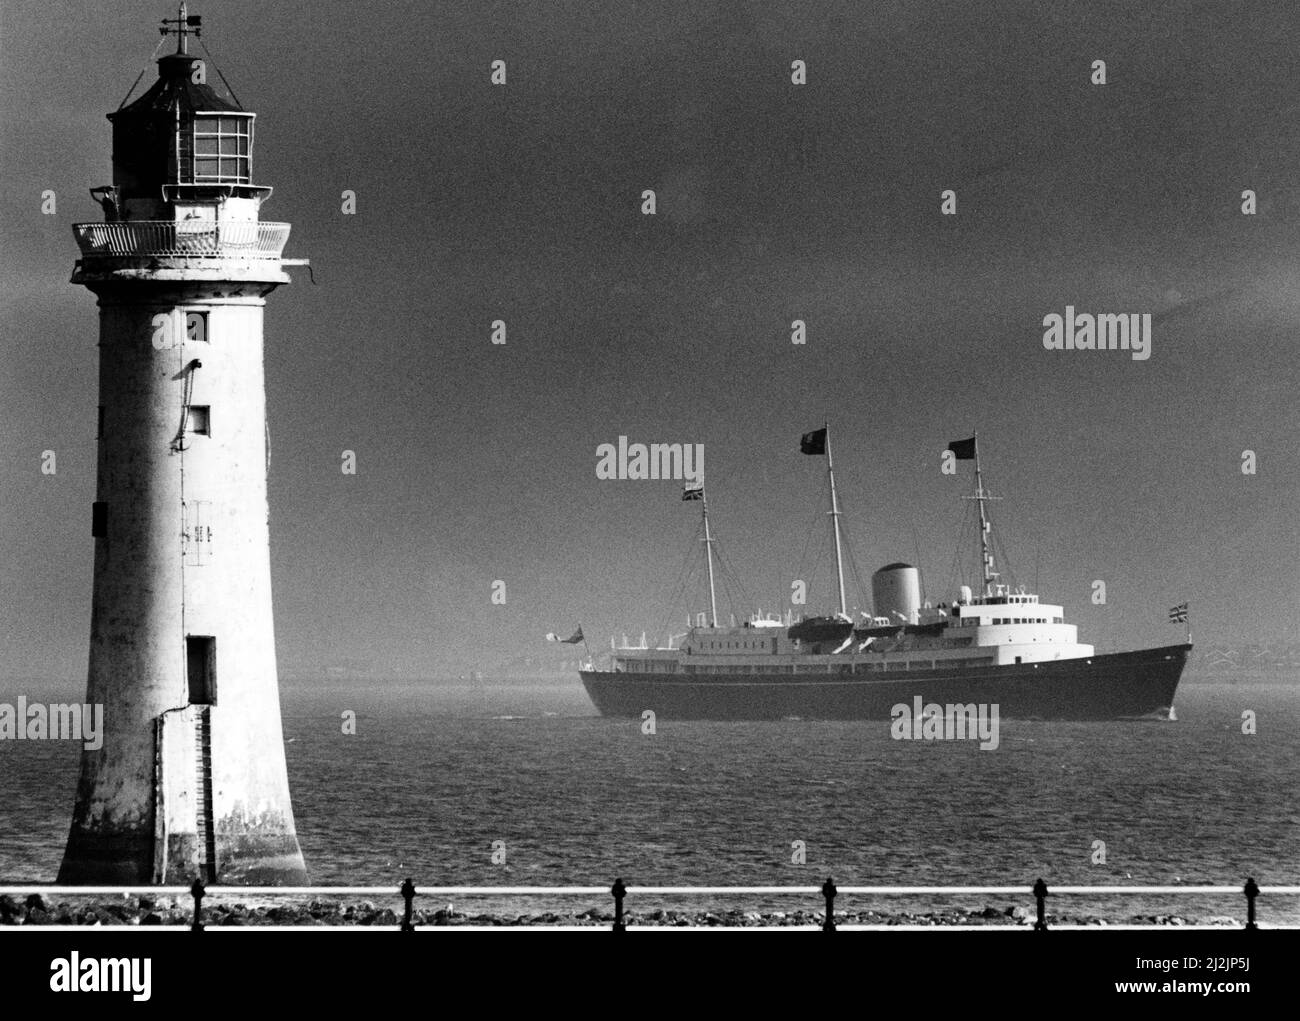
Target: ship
(1000,646)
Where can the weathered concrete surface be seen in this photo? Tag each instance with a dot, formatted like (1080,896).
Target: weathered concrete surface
(186,554)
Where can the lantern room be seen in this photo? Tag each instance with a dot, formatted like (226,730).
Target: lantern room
(182,149)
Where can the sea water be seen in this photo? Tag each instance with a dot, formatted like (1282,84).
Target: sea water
(497,784)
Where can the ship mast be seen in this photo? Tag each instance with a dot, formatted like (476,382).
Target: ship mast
(835,522)
(986,548)
(708,558)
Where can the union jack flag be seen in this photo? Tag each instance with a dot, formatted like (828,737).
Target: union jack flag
(1178,615)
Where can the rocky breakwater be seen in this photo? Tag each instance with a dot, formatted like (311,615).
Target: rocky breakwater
(320,911)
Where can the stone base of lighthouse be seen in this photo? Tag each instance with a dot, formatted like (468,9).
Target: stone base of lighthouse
(188,826)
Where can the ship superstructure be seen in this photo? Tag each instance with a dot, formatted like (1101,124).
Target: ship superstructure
(1000,646)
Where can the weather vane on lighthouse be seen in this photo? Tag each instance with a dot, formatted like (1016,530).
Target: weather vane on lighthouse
(183,22)
(191,780)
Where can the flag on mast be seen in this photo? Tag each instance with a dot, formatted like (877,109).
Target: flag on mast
(813,442)
(573,639)
(963,450)
(1178,614)
(693,492)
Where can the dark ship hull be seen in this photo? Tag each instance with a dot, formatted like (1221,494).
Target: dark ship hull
(1123,685)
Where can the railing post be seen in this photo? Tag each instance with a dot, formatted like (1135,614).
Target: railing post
(1040,892)
(829,892)
(619,891)
(197,891)
(1251,891)
(408,893)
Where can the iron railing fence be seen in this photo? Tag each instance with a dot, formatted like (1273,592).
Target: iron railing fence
(619,891)
(213,239)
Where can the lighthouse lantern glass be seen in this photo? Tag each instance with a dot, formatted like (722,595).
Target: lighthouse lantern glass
(223,147)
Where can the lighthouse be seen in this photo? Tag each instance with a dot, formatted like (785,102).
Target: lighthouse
(190,781)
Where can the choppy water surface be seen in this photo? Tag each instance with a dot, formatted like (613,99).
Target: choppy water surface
(435,775)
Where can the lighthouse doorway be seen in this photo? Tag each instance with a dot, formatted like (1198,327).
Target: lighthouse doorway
(201,668)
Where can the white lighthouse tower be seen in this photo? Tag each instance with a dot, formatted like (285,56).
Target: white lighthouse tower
(191,779)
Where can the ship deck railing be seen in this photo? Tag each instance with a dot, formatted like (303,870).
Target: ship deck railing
(213,239)
(620,892)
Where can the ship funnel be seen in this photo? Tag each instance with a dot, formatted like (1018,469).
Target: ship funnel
(965,595)
(896,592)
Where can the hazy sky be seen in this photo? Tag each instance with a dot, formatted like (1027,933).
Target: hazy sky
(775,202)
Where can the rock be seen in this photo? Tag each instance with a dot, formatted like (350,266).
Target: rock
(330,909)
(152,918)
(146,903)
(10,910)
(36,902)
(1017,912)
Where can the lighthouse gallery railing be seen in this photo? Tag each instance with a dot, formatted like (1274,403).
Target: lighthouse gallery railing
(182,238)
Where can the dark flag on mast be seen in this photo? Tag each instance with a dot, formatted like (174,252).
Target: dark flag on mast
(813,442)
(963,450)
(693,492)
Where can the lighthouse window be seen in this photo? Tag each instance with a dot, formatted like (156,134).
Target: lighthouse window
(222,150)
(201,668)
(197,420)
